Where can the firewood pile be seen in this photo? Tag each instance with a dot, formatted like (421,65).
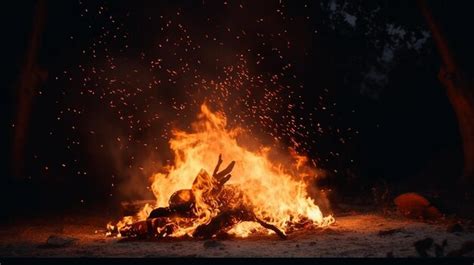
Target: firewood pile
(221,205)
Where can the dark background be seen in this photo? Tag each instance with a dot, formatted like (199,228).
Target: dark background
(403,132)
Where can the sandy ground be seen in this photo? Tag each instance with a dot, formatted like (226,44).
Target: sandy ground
(363,235)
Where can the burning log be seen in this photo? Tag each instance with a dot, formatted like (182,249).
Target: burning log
(153,227)
(224,221)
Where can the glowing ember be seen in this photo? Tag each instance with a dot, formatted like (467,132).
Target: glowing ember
(274,190)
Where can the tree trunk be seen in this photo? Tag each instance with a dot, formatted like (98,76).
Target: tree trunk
(30,77)
(460,91)
(461,96)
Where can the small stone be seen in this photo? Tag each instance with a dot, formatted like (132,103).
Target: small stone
(466,249)
(422,246)
(439,249)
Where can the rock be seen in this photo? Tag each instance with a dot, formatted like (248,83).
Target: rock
(466,248)
(453,228)
(60,241)
(422,246)
(413,205)
(213,244)
(439,249)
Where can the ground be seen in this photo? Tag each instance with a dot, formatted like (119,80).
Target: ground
(356,235)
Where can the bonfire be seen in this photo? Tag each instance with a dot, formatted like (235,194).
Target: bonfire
(252,194)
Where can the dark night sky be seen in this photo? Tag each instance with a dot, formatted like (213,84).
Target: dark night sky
(396,129)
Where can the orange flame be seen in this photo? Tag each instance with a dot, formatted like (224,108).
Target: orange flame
(276,192)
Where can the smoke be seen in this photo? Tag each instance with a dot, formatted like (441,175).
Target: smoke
(143,74)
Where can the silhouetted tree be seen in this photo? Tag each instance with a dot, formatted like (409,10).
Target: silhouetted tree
(459,88)
(30,77)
